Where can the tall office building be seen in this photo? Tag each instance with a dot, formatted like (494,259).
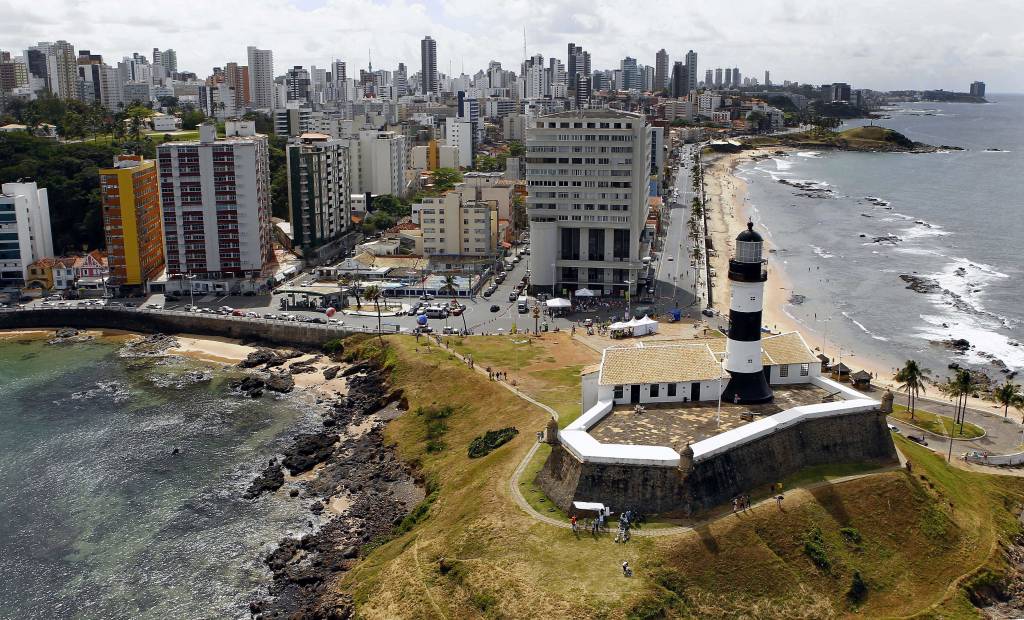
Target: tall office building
(709,79)
(587,213)
(319,191)
(978,89)
(299,84)
(90,77)
(737,80)
(680,80)
(428,66)
(728,77)
(215,195)
(583,91)
(55,67)
(661,70)
(261,78)
(631,77)
(238,78)
(718,77)
(691,70)
(578,63)
(401,81)
(25,234)
(168,59)
(767,78)
(132,220)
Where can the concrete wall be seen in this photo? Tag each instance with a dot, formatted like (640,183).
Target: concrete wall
(708,392)
(850,438)
(169,322)
(794,376)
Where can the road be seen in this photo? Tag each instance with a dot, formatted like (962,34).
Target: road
(1002,435)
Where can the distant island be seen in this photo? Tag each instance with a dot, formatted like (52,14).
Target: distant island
(936,95)
(869,138)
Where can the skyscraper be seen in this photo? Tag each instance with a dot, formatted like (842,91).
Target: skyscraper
(261,78)
(428,66)
(728,77)
(319,191)
(680,80)
(718,77)
(709,79)
(132,220)
(579,63)
(238,78)
(767,78)
(299,84)
(691,69)
(401,81)
(661,70)
(631,78)
(737,80)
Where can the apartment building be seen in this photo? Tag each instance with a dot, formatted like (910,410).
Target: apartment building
(587,173)
(132,221)
(319,191)
(378,162)
(457,224)
(215,195)
(25,234)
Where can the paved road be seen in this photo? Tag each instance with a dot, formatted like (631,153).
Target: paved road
(1003,436)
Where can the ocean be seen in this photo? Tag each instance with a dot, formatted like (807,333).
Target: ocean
(848,225)
(100,519)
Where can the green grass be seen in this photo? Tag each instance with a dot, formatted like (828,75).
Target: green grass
(532,492)
(822,473)
(938,424)
(499,352)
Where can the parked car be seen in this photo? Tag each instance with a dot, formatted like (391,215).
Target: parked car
(894,428)
(488,293)
(155,306)
(707,312)
(588,323)
(495,308)
(513,294)
(269,316)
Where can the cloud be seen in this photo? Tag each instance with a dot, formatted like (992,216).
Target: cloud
(872,43)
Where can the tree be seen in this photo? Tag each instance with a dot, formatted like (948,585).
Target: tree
(450,288)
(344,282)
(373,293)
(912,381)
(959,388)
(516,148)
(445,179)
(1006,395)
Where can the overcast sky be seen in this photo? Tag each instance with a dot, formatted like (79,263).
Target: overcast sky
(881,44)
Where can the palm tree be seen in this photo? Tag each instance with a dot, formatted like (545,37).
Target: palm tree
(959,388)
(345,281)
(912,381)
(373,293)
(1007,394)
(450,288)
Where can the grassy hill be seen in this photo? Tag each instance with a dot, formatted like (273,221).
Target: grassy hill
(921,542)
(867,138)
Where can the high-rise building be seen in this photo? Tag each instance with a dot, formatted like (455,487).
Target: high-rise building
(132,220)
(728,77)
(631,77)
(261,78)
(709,79)
(299,84)
(25,234)
(55,67)
(737,80)
(583,91)
(718,77)
(319,191)
(215,195)
(840,91)
(90,76)
(428,66)
(680,80)
(978,89)
(238,78)
(589,235)
(401,81)
(578,63)
(691,70)
(661,70)
(767,78)
(378,161)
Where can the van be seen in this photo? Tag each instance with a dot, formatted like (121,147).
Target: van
(437,312)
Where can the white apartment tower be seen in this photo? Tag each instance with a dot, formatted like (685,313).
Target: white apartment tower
(215,198)
(25,234)
(261,78)
(587,172)
(319,192)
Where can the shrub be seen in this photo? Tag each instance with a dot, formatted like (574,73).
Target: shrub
(334,347)
(815,549)
(484,601)
(858,588)
(851,535)
(491,440)
(434,421)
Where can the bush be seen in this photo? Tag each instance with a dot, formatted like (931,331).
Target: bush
(858,588)
(484,601)
(434,421)
(815,549)
(851,535)
(491,440)
(334,347)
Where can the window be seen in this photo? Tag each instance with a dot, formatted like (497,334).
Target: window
(805,369)
(618,391)
(784,370)
(671,389)
(654,389)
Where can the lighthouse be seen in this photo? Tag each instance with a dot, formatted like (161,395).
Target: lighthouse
(747,275)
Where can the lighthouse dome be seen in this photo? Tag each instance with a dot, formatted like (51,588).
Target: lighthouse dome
(749,235)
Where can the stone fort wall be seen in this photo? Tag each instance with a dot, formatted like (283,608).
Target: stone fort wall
(696,487)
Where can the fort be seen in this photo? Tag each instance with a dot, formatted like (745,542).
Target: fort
(681,428)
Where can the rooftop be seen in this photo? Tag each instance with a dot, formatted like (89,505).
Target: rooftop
(658,364)
(595,113)
(677,424)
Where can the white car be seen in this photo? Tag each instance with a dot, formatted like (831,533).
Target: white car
(155,306)
(670,259)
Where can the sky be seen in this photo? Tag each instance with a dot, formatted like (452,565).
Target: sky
(878,44)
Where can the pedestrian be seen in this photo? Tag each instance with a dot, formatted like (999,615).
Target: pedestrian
(778,500)
(735,502)
(572,520)
(626,570)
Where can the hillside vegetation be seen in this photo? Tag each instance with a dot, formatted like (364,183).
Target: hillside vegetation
(867,138)
(888,544)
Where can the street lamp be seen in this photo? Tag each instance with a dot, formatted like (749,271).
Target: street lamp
(191,290)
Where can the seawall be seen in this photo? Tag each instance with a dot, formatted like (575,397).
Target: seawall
(696,487)
(281,333)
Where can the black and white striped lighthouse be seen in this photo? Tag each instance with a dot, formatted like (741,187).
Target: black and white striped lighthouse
(747,275)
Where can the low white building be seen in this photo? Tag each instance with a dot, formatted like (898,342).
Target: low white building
(165,122)
(689,372)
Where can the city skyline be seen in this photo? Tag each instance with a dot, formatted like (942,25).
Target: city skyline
(951,46)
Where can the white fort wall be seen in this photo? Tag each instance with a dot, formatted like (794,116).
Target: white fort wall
(578,441)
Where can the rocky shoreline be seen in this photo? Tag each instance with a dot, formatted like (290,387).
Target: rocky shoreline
(355,476)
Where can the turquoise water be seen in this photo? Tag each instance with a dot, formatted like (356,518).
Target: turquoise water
(98,519)
(955,218)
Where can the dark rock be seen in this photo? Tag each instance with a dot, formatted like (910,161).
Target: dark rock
(66,332)
(270,480)
(293,493)
(921,285)
(958,344)
(331,372)
(258,358)
(279,382)
(308,451)
(316,508)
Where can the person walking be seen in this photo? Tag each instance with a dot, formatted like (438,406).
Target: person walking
(735,502)
(778,500)
(572,520)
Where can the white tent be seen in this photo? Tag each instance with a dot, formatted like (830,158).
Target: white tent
(585,292)
(644,326)
(619,325)
(558,302)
